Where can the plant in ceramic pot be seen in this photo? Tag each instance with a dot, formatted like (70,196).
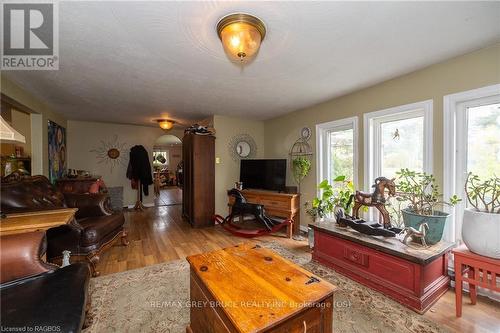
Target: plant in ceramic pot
(422,194)
(481,223)
(332,197)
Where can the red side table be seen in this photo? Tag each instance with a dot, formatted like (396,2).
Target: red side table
(476,270)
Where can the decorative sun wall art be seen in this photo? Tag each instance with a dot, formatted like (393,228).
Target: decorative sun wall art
(111,153)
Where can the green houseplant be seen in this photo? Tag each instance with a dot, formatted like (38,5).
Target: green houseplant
(481,222)
(332,197)
(420,191)
(300,168)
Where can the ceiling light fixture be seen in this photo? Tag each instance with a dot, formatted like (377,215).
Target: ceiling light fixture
(241,35)
(166,124)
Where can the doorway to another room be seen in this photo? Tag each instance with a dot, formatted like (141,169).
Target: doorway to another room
(167,170)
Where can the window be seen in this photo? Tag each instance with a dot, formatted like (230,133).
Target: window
(161,158)
(337,149)
(396,138)
(471,144)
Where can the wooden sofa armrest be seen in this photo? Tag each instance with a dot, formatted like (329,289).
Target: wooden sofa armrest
(20,256)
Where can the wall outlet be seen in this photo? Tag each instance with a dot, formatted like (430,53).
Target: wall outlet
(217,160)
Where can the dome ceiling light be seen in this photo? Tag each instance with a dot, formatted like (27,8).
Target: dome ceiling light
(241,35)
(166,124)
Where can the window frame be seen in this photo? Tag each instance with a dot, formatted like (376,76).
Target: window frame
(454,159)
(372,144)
(323,144)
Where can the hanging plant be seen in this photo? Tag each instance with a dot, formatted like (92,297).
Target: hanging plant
(300,168)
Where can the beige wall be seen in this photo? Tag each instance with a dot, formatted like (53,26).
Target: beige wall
(85,136)
(470,71)
(228,171)
(39,132)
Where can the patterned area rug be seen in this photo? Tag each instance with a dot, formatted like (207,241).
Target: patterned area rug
(155,299)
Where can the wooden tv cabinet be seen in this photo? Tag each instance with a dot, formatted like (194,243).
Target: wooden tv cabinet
(411,275)
(276,204)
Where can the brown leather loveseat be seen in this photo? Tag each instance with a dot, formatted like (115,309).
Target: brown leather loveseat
(36,296)
(95,228)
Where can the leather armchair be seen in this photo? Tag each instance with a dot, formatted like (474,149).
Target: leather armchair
(94,229)
(35,294)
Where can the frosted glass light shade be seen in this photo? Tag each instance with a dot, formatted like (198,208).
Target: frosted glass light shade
(241,36)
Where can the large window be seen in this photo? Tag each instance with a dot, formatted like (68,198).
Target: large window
(396,138)
(471,144)
(337,149)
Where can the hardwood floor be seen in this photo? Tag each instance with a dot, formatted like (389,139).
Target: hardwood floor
(159,235)
(171,195)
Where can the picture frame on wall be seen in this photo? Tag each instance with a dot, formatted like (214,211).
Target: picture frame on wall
(57,151)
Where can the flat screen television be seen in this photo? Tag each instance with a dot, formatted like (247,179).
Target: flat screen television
(264,174)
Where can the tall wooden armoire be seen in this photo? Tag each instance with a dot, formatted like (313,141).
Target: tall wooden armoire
(198,195)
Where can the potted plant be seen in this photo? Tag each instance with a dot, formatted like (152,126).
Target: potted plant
(332,197)
(481,223)
(421,192)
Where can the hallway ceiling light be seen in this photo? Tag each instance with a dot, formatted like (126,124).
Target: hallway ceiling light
(166,124)
(241,35)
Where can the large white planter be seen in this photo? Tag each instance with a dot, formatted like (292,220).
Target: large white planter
(481,233)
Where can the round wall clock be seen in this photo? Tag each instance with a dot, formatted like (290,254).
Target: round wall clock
(305,133)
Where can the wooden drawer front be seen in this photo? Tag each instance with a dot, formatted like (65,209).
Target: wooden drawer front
(204,319)
(384,268)
(276,204)
(355,256)
(317,319)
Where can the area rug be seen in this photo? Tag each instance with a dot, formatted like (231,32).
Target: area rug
(156,299)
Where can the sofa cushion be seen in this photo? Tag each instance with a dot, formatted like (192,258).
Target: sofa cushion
(96,229)
(52,300)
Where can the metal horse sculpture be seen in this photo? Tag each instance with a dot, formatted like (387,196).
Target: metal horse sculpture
(241,207)
(376,199)
(414,233)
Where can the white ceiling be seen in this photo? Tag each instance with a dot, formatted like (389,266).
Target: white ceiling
(132,62)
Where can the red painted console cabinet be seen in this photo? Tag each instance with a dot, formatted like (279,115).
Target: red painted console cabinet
(413,276)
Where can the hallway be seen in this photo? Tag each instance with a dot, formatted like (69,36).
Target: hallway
(171,195)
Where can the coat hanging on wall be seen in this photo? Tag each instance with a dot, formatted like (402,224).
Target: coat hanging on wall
(139,168)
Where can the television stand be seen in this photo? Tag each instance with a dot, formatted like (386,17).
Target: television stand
(277,204)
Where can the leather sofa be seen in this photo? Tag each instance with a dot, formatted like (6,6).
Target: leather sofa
(37,296)
(94,229)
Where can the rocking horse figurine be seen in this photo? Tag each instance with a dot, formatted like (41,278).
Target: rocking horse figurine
(376,199)
(241,207)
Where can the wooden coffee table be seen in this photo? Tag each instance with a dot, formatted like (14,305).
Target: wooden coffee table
(247,288)
(36,221)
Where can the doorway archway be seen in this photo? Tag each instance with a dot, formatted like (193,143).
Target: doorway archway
(167,170)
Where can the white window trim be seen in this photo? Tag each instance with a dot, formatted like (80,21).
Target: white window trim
(399,112)
(452,167)
(321,161)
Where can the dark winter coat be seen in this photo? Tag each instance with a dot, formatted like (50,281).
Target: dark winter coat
(139,168)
